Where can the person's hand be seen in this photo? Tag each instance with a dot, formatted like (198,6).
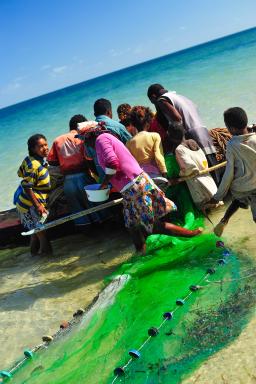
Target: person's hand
(103,185)
(41,210)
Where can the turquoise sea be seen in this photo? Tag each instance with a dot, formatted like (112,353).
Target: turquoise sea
(215,75)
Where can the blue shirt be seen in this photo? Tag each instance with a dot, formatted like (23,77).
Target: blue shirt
(114,126)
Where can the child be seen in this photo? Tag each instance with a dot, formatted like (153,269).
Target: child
(239,176)
(192,160)
(31,202)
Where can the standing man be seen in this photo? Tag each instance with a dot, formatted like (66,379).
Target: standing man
(171,108)
(68,153)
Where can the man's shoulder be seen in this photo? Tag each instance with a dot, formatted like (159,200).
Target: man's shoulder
(63,137)
(233,141)
(116,124)
(241,144)
(251,137)
(71,135)
(240,139)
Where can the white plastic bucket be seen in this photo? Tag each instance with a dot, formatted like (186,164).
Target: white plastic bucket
(95,194)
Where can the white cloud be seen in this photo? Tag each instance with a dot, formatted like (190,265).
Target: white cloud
(59,70)
(112,52)
(138,50)
(116,53)
(45,67)
(78,60)
(13,86)
(168,39)
(19,78)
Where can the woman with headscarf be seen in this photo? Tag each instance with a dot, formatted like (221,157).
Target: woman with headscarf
(145,205)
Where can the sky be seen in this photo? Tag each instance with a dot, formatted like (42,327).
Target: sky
(49,44)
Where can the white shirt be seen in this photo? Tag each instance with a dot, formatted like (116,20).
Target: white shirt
(192,122)
(240,173)
(202,188)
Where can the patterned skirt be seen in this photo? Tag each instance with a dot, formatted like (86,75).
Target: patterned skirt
(144,203)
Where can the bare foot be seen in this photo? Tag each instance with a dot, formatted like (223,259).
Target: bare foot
(219,228)
(197,231)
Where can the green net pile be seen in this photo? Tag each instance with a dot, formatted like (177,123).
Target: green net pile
(136,297)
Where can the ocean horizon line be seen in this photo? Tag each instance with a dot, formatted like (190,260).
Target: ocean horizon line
(100,77)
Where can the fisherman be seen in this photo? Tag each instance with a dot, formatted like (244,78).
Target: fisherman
(68,152)
(172,107)
(103,113)
(239,176)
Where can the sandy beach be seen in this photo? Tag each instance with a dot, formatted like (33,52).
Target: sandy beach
(180,309)
(37,294)
(236,363)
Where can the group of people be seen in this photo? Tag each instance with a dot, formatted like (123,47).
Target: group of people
(131,156)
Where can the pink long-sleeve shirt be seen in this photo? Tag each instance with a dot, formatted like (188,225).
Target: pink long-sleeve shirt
(116,160)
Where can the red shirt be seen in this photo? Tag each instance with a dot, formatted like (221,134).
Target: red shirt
(68,152)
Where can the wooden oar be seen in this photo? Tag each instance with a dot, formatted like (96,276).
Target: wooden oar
(73,216)
(85,212)
(201,173)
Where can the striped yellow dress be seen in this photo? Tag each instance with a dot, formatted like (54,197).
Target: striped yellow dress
(35,176)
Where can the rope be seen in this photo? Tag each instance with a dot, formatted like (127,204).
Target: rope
(230,280)
(220,137)
(145,342)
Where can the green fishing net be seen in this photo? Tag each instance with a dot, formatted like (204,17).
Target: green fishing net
(136,298)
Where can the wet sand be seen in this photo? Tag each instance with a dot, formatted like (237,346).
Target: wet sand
(235,364)
(37,294)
